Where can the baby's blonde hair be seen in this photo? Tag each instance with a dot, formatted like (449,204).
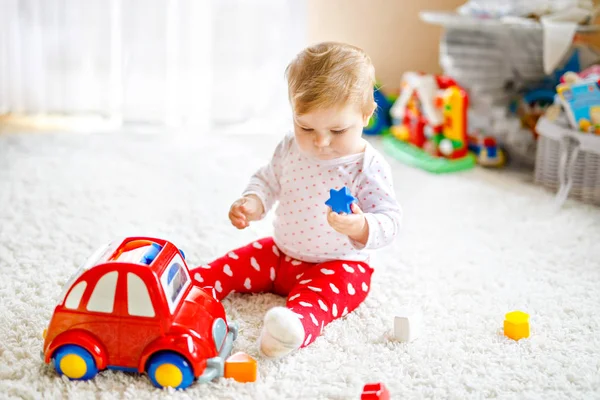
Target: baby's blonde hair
(331,74)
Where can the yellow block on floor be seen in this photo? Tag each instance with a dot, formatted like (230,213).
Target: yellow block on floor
(241,367)
(516,325)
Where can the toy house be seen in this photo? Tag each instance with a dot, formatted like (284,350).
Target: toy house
(431,113)
(429,127)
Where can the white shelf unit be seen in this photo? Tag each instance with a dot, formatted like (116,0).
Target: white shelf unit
(453,19)
(492,59)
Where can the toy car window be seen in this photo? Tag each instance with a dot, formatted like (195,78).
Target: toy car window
(175,280)
(103,296)
(141,255)
(99,254)
(75,295)
(89,263)
(135,256)
(138,298)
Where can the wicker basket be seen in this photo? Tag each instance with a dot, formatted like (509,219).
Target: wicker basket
(568,161)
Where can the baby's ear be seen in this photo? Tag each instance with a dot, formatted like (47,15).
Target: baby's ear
(368,116)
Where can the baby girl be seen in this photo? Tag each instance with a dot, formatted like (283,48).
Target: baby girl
(318,258)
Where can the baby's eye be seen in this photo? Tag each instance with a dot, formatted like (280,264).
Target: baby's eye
(307,129)
(339,131)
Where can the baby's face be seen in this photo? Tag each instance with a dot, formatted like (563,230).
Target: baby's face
(331,133)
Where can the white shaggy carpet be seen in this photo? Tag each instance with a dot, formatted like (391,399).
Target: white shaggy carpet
(475,246)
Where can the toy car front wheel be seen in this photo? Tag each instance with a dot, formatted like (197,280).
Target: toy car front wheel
(170,370)
(74,362)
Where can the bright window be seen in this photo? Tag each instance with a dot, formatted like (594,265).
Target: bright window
(175,280)
(75,295)
(138,298)
(103,296)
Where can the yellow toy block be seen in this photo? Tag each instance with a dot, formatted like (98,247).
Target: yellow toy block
(516,325)
(241,367)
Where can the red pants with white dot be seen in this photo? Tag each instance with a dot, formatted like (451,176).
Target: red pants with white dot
(317,293)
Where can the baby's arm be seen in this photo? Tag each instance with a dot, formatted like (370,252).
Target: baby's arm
(264,184)
(377,200)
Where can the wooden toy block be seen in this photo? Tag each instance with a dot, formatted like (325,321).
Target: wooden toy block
(516,325)
(407,324)
(241,367)
(375,391)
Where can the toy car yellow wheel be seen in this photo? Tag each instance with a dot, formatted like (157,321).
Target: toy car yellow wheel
(170,370)
(74,362)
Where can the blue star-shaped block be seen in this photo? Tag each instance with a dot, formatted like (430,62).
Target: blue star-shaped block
(340,200)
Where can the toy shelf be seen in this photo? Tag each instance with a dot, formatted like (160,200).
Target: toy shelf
(453,19)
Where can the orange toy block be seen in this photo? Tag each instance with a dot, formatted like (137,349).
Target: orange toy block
(516,325)
(241,367)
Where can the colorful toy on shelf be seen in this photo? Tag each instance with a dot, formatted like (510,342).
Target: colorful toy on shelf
(487,151)
(132,306)
(340,200)
(241,367)
(429,124)
(381,121)
(592,72)
(533,101)
(532,105)
(407,324)
(516,325)
(581,101)
(375,391)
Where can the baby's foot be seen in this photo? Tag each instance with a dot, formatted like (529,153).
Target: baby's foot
(281,334)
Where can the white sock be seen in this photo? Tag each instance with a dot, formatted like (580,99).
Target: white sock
(281,334)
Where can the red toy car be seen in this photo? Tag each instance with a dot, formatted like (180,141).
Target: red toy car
(132,306)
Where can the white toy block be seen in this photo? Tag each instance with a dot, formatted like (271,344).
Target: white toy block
(407,324)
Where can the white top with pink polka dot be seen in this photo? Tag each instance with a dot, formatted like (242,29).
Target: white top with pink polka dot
(301,185)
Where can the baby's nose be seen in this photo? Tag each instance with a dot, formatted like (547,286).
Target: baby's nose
(322,141)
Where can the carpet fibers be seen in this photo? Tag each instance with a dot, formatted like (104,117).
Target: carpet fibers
(474,246)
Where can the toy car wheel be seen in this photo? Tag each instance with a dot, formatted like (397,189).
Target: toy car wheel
(74,362)
(170,370)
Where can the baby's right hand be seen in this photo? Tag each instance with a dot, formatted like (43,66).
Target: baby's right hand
(244,210)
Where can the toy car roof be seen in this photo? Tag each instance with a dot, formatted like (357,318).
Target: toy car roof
(155,255)
(132,250)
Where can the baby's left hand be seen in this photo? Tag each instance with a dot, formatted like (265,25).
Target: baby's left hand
(353,225)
